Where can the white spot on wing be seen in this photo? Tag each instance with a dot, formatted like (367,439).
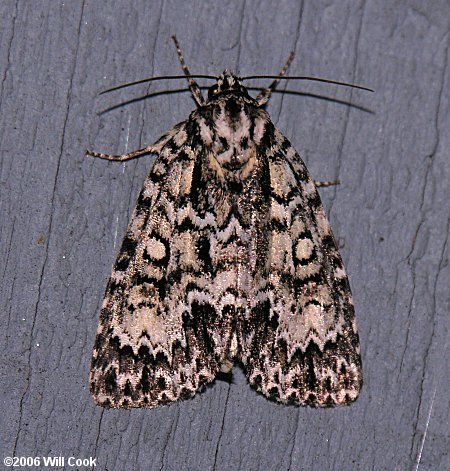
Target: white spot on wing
(156,249)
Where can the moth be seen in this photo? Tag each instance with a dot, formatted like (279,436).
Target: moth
(228,257)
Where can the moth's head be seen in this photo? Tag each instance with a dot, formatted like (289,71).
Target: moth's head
(227,83)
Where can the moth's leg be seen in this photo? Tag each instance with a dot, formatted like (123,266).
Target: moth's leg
(327,183)
(193,86)
(264,96)
(130,155)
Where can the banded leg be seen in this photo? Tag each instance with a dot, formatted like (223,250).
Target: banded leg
(327,183)
(123,157)
(193,86)
(264,96)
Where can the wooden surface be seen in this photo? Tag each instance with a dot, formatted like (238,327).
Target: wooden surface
(62,217)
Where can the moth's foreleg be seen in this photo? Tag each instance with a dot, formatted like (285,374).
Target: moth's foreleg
(130,155)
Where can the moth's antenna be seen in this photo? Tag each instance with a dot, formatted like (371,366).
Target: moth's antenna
(160,77)
(264,96)
(304,77)
(193,86)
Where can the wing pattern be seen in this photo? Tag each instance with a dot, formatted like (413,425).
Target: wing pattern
(228,257)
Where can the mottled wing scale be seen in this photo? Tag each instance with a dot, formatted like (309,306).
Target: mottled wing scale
(154,343)
(300,341)
(228,257)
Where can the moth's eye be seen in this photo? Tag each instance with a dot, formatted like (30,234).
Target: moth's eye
(213,91)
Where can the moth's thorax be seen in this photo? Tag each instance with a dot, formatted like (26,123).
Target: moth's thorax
(232,145)
(227,127)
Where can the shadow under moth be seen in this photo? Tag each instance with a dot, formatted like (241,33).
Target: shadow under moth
(228,257)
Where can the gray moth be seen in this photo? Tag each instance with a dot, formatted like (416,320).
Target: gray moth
(228,257)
